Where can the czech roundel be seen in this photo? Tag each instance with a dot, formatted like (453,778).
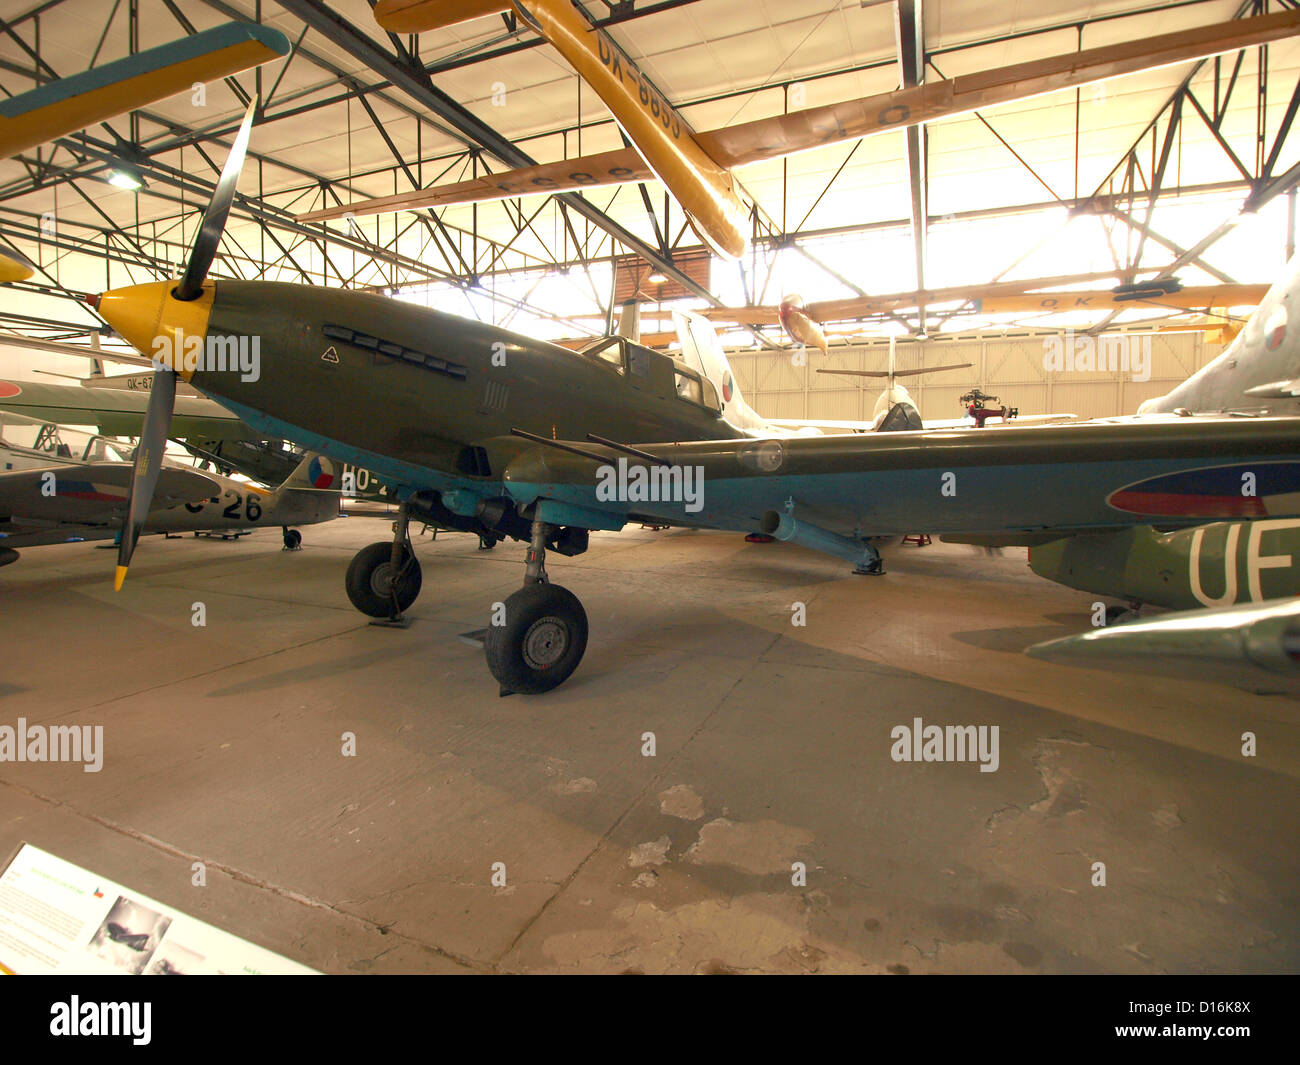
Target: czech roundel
(726,389)
(320,472)
(8,389)
(1250,490)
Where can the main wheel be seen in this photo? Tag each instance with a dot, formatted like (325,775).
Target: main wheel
(367,580)
(292,539)
(542,641)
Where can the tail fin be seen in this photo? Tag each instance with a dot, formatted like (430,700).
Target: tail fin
(702,351)
(315,473)
(629,321)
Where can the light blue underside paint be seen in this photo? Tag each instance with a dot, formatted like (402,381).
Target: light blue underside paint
(408,474)
(990,499)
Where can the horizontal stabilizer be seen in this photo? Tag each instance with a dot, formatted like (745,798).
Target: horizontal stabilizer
(899,373)
(1276,389)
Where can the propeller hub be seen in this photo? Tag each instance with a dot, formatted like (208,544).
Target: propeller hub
(160,326)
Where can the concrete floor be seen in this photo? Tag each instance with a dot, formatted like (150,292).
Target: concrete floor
(223,744)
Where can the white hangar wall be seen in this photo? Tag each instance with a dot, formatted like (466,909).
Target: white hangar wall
(1017,369)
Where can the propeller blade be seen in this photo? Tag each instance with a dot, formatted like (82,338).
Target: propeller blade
(162,397)
(214,218)
(148,463)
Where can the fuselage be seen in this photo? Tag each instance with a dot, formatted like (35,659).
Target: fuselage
(365,378)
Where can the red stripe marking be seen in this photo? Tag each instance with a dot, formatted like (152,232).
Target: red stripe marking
(1189,506)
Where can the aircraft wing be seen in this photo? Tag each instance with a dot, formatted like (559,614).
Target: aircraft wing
(94,492)
(617,167)
(1254,646)
(798,131)
(118,411)
(14,265)
(73,103)
(830,492)
(1001,297)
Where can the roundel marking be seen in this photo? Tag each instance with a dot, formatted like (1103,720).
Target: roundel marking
(8,389)
(320,475)
(1211,491)
(726,388)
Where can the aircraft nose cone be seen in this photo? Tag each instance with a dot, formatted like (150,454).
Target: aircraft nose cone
(157,324)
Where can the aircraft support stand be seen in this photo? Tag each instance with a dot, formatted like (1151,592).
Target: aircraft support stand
(872,565)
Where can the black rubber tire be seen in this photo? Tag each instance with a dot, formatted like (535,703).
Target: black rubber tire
(367,576)
(542,641)
(1116,615)
(292,539)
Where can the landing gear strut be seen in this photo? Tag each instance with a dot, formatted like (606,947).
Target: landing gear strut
(544,632)
(383,579)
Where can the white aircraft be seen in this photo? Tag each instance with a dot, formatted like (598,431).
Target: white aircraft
(895,409)
(1258,373)
(1250,645)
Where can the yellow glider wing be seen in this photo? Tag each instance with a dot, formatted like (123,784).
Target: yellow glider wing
(14,265)
(798,131)
(73,103)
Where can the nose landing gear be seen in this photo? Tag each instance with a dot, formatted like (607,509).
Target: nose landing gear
(544,631)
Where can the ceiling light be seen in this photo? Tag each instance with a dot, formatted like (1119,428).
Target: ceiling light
(657,279)
(124,177)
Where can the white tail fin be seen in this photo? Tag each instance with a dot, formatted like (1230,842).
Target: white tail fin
(629,321)
(315,473)
(702,351)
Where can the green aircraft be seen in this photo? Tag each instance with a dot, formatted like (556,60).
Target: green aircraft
(1183,569)
(1219,565)
(486,430)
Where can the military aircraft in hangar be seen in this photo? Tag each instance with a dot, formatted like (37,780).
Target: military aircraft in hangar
(51,497)
(484,429)
(698,167)
(116,407)
(1247,560)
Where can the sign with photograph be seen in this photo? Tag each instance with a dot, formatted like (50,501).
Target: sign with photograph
(58,918)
